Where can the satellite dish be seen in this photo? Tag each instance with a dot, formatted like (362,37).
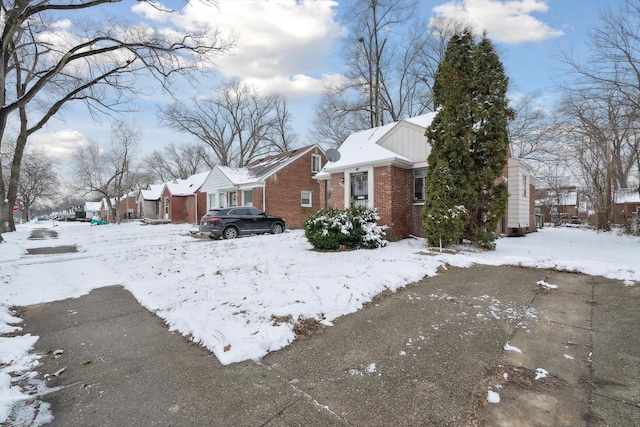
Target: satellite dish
(332,154)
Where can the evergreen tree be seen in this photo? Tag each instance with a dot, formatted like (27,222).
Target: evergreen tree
(468,136)
(489,145)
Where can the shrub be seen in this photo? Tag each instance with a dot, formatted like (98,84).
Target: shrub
(354,228)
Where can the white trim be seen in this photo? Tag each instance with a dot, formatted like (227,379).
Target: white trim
(313,157)
(370,185)
(310,194)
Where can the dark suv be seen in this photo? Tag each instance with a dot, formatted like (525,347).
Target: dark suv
(231,222)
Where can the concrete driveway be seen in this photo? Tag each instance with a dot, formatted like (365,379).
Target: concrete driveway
(436,353)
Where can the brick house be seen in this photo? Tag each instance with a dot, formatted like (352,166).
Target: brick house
(177,201)
(559,205)
(626,206)
(385,168)
(281,184)
(126,207)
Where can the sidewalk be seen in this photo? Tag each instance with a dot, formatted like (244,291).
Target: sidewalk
(427,355)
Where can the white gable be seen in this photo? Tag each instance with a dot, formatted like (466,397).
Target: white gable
(401,143)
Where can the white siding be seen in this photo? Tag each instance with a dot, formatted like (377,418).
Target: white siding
(216,181)
(409,141)
(519,197)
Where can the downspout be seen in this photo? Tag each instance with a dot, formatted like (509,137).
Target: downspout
(264,197)
(195,211)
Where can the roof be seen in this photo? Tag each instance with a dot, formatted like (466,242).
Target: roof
(187,187)
(627,195)
(154,192)
(237,176)
(363,147)
(261,169)
(92,206)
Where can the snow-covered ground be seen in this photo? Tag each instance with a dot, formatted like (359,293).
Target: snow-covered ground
(232,295)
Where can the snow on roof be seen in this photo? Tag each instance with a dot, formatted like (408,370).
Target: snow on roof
(187,187)
(266,166)
(362,147)
(237,176)
(423,120)
(627,195)
(154,192)
(92,206)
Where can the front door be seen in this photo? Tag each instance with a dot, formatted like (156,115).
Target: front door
(359,189)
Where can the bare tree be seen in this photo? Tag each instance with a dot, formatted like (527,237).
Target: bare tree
(44,68)
(176,161)
(107,173)
(601,133)
(533,131)
(389,74)
(613,66)
(614,63)
(238,123)
(38,181)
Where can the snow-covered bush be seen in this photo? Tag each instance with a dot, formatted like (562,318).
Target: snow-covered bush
(354,228)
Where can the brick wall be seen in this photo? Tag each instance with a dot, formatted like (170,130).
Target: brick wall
(283,190)
(125,205)
(393,197)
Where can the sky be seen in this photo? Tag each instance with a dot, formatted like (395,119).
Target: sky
(295,47)
(228,306)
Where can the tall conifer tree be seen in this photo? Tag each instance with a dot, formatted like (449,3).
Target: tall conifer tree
(469,142)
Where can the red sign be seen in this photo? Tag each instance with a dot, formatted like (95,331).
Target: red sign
(16,207)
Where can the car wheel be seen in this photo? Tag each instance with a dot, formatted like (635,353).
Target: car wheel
(230,233)
(277,228)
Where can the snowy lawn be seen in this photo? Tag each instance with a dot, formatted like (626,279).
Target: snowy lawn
(234,297)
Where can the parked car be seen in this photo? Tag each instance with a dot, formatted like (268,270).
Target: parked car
(232,222)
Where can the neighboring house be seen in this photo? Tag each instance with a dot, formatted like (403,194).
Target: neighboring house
(385,168)
(559,205)
(627,206)
(149,203)
(127,207)
(281,184)
(93,209)
(183,200)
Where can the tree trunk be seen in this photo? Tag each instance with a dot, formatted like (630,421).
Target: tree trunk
(6,217)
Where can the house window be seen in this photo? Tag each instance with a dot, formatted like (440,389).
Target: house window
(305,199)
(419,176)
(247,197)
(316,163)
(222,200)
(524,185)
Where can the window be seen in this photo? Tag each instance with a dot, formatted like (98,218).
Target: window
(233,199)
(247,197)
(524,185)
(305,199)
(316,163)
(419,176)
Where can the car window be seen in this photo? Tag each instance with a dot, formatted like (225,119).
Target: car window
(213,212)
(254,211)
(239,211)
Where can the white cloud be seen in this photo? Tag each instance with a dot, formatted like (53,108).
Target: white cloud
(505,21)
(281,45)
(59,144)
